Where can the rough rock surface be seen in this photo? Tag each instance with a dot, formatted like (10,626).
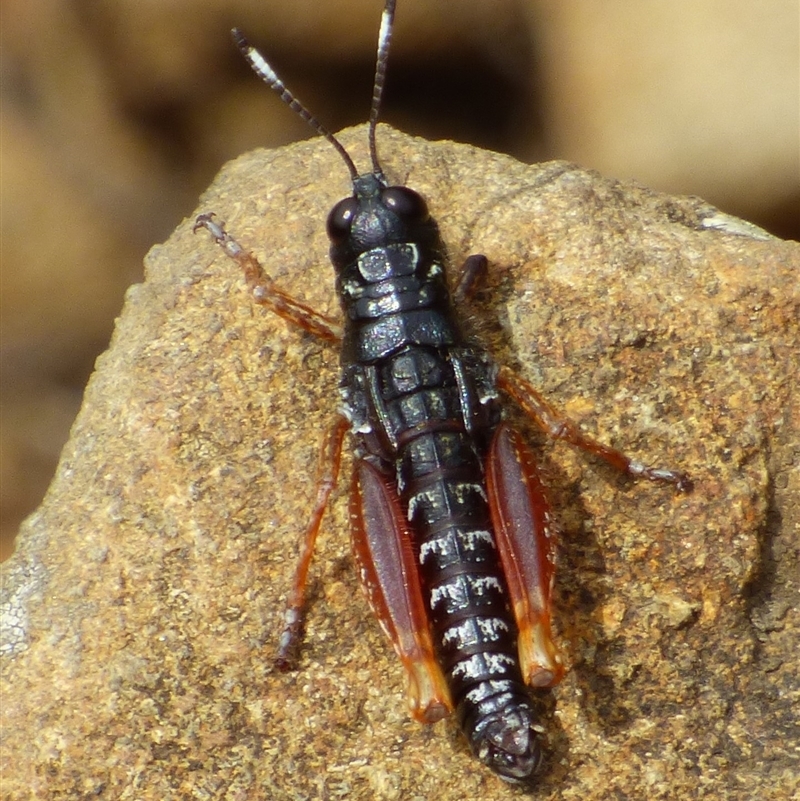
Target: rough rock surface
(141,609)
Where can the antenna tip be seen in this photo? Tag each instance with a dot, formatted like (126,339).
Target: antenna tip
(238,38)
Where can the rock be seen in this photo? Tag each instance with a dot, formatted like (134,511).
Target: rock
(141,609)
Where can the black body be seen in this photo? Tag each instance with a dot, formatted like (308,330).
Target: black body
(423,406)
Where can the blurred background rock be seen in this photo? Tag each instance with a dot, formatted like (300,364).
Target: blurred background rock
(116,114)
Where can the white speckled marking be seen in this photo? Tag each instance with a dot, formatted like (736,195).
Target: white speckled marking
(479,665)
(460,635)
(492,627)
(451,590)
(438,546)
(475,630)
(470,538)
(461,489)
(480,585)
(414,500)
(502,690)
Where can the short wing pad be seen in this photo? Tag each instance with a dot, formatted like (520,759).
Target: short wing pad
(525,532)
(388,571)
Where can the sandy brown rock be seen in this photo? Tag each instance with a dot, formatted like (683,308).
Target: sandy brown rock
(141,609)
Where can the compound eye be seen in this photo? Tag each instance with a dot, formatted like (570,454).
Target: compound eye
(341,219)
(405,203)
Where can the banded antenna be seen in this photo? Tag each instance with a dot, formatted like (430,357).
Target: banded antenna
(263,69)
